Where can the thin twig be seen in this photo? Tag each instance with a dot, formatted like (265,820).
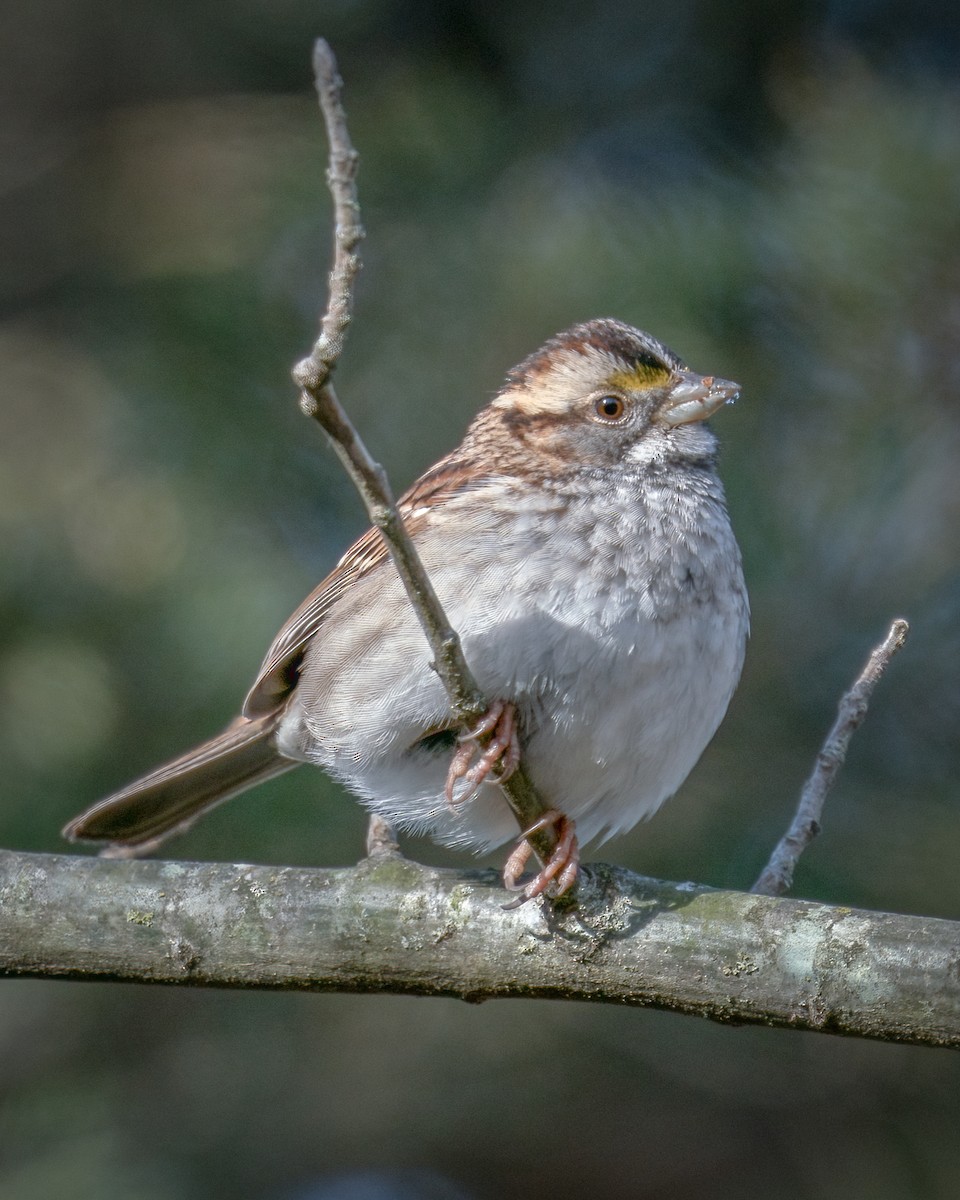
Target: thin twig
(314,372)
(777,876)
(318,400)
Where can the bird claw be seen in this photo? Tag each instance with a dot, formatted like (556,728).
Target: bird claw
(500,757)
(561,869)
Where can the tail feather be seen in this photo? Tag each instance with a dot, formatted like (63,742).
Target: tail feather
(137,819)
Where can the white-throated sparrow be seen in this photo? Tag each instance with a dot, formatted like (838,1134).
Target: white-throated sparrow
(579,541)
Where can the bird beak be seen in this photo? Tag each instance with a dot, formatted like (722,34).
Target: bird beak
(696,397)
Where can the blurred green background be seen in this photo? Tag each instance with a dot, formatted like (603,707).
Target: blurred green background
(773,190)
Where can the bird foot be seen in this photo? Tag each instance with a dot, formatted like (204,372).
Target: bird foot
(500,757)
(562,867)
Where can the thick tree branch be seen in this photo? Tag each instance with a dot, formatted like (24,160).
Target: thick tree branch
(776,878)
(389,925)
(318,400)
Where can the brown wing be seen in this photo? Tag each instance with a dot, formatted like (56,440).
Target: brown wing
(278,674)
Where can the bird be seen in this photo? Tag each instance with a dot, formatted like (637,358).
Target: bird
(579,541)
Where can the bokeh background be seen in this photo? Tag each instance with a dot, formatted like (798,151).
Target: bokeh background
(773,190)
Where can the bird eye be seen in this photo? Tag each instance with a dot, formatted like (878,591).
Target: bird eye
(609,408)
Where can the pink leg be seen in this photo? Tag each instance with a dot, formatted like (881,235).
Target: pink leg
(500,756)
(563,866)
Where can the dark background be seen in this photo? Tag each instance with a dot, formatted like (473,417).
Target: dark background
(773,190)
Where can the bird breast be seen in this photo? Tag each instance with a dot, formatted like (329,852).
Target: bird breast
(612,612)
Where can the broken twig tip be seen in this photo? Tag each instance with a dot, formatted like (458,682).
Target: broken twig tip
(899,631)
(324,62)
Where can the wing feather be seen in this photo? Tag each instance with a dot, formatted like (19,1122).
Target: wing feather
(452,476)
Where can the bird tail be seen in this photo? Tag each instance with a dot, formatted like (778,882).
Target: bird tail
(137,819)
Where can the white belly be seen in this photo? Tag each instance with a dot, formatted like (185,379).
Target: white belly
(621,659)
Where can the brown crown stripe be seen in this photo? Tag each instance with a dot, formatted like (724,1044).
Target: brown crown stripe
(633,348)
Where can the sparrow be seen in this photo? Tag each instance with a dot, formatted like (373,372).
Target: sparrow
(579,540)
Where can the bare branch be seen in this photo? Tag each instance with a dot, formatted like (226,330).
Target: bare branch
(389,925)
(777,876)
(314,372)
(318,400)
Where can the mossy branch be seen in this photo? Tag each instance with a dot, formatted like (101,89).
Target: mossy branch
(389,925)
